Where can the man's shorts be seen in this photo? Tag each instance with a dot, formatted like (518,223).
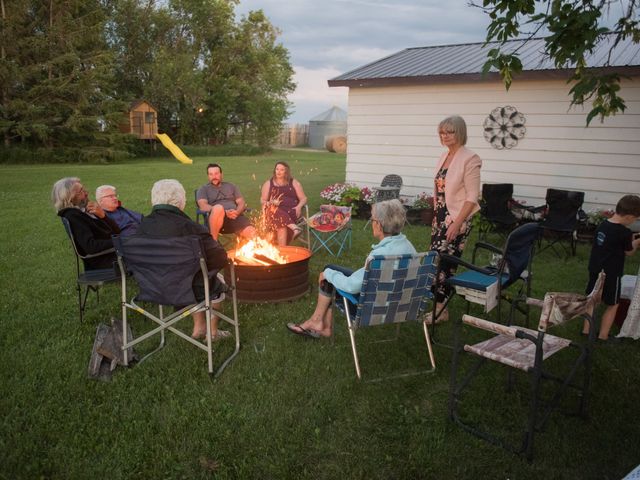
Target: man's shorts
(611,290)
(235,225)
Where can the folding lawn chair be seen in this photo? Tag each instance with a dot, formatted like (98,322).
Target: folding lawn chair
(331,229)
(486,285)
(529,351)
(200,213)
(91,280)
(164,269)
(305,231)
(396,289)
(495,210)
(561,220)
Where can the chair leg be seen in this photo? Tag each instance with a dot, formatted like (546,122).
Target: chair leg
(527,446)
(83,301)
(427,339)
(80,305)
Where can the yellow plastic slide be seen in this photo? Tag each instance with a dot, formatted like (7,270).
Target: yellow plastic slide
(173,148)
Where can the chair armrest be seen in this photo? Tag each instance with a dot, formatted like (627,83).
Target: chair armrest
(458,261)
(490,326)
(487,246)
(515,332)
(349,296)
(99,254)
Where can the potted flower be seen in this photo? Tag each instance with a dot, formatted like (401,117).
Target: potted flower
(346,194)
(422,207)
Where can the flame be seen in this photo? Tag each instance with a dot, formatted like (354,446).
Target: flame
(259,246)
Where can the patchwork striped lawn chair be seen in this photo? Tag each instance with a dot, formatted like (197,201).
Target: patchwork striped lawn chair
(529,351)
(331,229)
(396,289)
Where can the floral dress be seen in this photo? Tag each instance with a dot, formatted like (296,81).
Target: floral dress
(285,199)
(441,220)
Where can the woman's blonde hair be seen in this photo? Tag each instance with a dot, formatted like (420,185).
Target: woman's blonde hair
(459,127)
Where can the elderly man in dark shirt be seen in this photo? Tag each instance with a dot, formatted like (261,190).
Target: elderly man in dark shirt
(167,219)
(127,220)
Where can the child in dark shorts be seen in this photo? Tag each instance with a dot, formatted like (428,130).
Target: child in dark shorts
(612,242)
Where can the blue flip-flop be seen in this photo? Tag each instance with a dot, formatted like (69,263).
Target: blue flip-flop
(304,332)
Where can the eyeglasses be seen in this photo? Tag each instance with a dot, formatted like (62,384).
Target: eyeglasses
(446,132)
(114,195)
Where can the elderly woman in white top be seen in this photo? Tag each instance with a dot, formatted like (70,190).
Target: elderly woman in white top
(456,192)
(387,220)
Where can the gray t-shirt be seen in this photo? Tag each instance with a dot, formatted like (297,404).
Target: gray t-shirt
(224,194)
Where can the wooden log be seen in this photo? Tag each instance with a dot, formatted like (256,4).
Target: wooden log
(95,362)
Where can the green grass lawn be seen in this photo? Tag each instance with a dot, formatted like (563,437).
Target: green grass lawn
(294,410)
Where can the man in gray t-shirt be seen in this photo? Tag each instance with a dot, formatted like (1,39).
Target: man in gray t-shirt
(224,204)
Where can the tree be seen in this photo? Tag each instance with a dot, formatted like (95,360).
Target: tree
(575,28)
(56,77)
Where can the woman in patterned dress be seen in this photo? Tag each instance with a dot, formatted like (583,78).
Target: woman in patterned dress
(282,200)
(456,193)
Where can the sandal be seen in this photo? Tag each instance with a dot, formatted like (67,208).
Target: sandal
(300,330)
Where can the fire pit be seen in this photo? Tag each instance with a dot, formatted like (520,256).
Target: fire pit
(270,282)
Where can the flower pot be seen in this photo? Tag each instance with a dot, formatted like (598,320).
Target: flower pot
(427,216)
(362,210)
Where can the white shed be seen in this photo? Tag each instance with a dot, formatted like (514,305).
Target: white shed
(396,103)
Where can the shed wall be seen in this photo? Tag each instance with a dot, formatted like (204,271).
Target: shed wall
(394,130)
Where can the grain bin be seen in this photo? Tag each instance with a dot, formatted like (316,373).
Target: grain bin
(331,123)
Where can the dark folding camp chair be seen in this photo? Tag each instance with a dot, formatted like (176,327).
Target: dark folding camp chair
(561,220)
(396,289)
(91,280)
(529,351)
(200,213)
(486,285)
(164,269)
(495,210)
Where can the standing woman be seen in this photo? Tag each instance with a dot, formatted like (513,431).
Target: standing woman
(456,192)
(282,200)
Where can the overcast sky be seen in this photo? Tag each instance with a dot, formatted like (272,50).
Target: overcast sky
(326,38)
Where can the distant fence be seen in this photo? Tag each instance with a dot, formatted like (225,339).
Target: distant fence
(293,135)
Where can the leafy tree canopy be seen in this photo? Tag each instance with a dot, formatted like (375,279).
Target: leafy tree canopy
(69,68)
(572,29)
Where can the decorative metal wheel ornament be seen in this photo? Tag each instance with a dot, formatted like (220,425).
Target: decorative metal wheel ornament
(504,127)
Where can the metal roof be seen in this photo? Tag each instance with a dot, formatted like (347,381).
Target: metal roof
(334,114)
(464,63)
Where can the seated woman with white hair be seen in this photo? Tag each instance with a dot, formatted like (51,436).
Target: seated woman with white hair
(167,219)
(387,221)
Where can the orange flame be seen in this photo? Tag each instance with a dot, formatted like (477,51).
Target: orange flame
(259,246)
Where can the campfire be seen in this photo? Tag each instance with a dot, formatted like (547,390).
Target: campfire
(267,274)
(259,252)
